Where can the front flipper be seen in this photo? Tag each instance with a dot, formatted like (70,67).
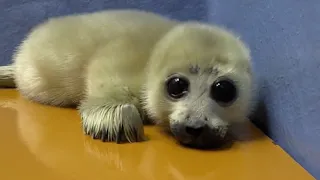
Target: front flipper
(112,122)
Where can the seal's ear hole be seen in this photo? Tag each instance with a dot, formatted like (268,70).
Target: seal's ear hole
(177,87)
(224,92)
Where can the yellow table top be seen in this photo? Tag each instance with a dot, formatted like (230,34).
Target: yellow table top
(46,143)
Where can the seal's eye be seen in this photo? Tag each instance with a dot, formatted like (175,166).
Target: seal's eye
(223,91)
(177,87)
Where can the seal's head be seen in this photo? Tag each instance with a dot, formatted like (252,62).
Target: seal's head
(199,82)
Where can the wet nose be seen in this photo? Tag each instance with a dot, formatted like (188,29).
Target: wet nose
(194,131)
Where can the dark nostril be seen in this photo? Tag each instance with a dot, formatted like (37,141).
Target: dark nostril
(194,131)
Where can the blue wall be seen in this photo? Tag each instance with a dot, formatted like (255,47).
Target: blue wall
(283,35)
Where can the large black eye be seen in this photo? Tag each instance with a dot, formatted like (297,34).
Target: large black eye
(223,91)
(177,87)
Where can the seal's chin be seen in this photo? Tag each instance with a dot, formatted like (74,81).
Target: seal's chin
(202,137)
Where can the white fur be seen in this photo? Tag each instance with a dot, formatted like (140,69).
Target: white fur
(112,65)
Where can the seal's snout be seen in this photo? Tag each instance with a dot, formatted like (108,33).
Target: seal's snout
(198,134)
(195,127)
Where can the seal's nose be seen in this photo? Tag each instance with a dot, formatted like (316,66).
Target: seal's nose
(194,131)
(197,133)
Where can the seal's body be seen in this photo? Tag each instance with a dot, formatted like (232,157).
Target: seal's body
(120,66)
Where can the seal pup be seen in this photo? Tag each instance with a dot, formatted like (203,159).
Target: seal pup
(121,68)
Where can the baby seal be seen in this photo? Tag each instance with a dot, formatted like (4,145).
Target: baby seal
(121,68)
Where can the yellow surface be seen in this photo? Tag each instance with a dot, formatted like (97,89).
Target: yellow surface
(43,143)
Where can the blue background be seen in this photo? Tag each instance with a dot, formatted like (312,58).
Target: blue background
(284,37)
